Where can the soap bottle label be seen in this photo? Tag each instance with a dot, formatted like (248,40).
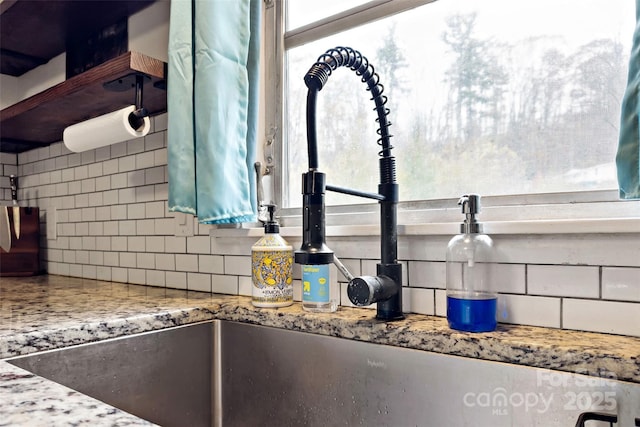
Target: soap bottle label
(315,283)
(272,277)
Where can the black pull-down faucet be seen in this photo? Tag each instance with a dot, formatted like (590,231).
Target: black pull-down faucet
(385,288)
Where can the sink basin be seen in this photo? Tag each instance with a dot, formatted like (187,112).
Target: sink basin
(224,373)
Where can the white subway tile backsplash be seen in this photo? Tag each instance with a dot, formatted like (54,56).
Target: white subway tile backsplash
(88,214)
(175,244)
(80,173)
(198,245)
(103,153)
(156,278)
(103,243)
(75,242)
(137,276)
(67,174)
(509,278)
(136,243)
(145,227)
(564,280)
(154,175)
(82,257)
(81,200)
(56,176)
(111,228)
(427,274)
(89,271)
(245,286)
(88,243)
(154,243)
(103,213)
(82,229)
(95,199)
(118,212)
(154,209)
(144,160)
(135,178)
(187,262)
(620,283)
(176,279)
(126,195)
(601,316)
(161,192)
(103,273)
(119,243)
(529,310)
(160,157)
(135,146)
(211,264)
(75,215)
(103,183)
(127,260)
(119,149)
(95,169)
(145,194)
(88,157)
(237,265)
(126,228)
(164,226)
(224,284)
(126,164)
(166,261)
(96,229)
(96,258)
(154,141)
(110,167)
(119,274)
(421,300)
(136,211)
(441,302)
(199,282)
(145,260)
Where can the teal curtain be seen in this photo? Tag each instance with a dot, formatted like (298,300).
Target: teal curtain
(628,157)
(212,96)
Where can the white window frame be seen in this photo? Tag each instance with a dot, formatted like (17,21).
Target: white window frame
(552,213)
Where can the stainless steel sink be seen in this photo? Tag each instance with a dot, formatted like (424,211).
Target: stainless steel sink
(232,374)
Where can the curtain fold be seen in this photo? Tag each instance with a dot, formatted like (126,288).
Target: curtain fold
(628,156)
(213,74)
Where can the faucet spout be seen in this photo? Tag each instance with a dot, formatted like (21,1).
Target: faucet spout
(384,289)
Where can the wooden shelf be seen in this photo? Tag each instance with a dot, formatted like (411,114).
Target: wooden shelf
(41,119)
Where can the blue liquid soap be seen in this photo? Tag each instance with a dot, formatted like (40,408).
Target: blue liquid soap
(472,315)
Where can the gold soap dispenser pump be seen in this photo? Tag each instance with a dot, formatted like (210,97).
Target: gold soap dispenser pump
(272,267)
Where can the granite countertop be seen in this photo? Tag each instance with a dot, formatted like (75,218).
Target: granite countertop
(47,312)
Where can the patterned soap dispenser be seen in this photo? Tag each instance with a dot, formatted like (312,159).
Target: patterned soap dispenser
(272,267)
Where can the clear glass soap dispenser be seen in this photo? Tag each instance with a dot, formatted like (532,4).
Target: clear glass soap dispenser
(471,300)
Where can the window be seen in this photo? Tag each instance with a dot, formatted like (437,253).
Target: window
(494,97)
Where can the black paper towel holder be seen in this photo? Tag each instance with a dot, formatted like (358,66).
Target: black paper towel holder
(125,83)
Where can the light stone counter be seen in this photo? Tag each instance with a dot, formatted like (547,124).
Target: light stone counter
(48,312)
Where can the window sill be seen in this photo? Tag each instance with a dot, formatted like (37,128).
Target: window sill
(566,226)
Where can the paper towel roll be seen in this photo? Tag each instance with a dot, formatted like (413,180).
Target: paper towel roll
(104,130)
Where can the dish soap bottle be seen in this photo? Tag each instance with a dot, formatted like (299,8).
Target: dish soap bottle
(318,291)
(471,302)
(272,267)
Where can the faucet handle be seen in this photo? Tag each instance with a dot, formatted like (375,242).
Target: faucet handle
(366,290)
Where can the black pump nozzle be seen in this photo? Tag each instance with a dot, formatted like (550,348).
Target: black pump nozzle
(271,226)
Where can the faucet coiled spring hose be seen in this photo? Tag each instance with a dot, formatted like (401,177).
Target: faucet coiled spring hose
(317,77)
